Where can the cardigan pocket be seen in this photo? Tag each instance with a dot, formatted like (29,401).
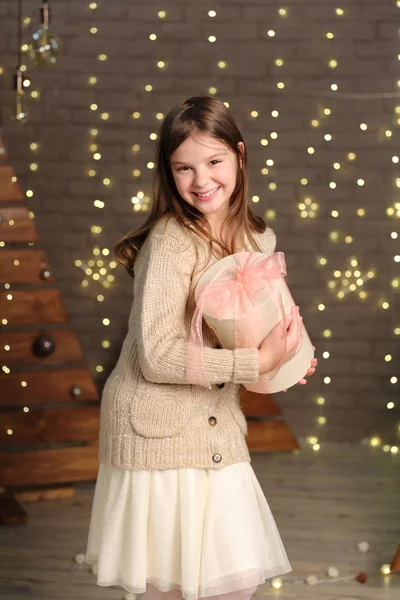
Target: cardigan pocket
(161,412)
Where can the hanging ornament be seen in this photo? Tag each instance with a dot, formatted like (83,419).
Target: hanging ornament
(43,345)
(45,47)
(45,274)
(21,113)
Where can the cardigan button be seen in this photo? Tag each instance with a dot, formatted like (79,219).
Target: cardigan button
(220,385)
(217,458)
(212,421)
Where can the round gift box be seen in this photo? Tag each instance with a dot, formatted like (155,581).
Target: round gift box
(254,326)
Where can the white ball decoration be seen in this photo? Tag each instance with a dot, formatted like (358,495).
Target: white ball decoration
(130,596)
(79,558)
(311,580)
(332,572)
(363,547)
(95,569)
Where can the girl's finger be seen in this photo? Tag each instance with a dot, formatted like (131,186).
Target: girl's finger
(303,381)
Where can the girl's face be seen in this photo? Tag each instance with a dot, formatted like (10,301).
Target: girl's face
(205,170)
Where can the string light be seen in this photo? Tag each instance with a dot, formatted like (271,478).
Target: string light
(308,208)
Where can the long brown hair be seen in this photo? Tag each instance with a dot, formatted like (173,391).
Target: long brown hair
(200,114)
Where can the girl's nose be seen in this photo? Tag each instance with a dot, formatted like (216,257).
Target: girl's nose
(200,180)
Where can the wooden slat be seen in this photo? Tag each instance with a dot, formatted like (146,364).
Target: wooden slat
(9,190)
(32,306)
(31,262)
(45,387)
(67,347)
(395,564)
(48,466)
(16,225)
(46,493)
(269,436)
(73,424)
(255,405)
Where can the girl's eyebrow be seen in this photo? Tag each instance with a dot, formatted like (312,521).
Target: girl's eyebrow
(222,153)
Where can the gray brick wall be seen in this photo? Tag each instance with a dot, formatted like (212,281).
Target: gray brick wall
(366,46)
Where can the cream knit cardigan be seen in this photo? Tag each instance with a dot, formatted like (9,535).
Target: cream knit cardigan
(151,417)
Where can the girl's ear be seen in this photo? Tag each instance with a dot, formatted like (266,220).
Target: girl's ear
(241,149)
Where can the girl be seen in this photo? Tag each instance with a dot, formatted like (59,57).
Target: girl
(177,510)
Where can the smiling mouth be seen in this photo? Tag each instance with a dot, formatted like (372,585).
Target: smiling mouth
(207,195)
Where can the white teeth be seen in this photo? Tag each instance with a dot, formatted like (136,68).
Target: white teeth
(208,193)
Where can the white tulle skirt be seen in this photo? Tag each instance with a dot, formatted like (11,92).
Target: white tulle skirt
(200,532)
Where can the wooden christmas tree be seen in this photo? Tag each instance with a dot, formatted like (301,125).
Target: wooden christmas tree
(49,405)
(267,431)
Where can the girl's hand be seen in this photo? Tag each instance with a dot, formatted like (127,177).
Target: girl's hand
(310,371)
(272,348)
(293,333)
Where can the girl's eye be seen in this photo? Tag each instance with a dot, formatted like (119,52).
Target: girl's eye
(215,161)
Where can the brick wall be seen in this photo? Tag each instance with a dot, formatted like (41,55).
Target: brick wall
(366,46)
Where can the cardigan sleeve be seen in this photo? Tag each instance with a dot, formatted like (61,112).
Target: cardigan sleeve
(159,313)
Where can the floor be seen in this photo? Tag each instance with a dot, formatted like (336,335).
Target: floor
(324,503)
